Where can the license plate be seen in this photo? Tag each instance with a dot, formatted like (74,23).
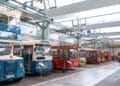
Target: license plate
(10,76)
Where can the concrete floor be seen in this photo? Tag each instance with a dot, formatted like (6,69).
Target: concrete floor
(91,75)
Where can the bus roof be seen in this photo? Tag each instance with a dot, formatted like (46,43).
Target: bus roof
(64,47)
(10,41)
(89,49)
(33,42)
(30,42)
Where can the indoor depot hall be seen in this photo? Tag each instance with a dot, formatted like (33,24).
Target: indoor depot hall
(59,43)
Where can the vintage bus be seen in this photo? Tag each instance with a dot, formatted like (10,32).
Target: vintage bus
(92,56)
(11,67)
(36,55)
(72,59)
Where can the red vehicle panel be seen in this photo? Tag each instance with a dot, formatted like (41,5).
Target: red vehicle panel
(72,60)
(92,56)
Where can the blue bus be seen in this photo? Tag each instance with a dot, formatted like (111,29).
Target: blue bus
(11,67)
(36,55)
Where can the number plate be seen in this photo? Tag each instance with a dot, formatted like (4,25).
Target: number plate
(10,76)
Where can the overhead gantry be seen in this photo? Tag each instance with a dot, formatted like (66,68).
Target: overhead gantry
(80,6)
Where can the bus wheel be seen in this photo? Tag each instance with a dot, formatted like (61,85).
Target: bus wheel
(18,79)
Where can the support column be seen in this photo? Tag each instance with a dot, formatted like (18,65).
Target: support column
(43,26)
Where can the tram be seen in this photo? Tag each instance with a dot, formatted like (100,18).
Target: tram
(71,57)
(92,56)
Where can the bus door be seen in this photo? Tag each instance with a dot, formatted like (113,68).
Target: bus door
(73,61)
(27,55)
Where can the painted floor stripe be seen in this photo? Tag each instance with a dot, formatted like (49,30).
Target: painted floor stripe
(92,84)
(66,76)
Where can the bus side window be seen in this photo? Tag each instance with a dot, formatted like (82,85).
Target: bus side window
(17,50)
(54,52)
(87,54)
(61,51)
(73,53)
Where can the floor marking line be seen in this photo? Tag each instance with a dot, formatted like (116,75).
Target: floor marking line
(38,84)
(67,76)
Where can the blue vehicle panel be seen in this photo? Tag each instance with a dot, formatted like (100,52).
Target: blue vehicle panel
(11,69)
(45,68)
(11,28)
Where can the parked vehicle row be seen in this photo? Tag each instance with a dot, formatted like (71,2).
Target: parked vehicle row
(19,57)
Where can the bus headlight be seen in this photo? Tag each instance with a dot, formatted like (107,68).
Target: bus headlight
(41,64)
(69,62)
(21,65)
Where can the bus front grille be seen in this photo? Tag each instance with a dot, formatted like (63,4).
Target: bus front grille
(10,67)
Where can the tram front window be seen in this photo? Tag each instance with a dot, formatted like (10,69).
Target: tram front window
(39,51)
(42,51)
(5,49)
(82,54)
(47,51)
(93,54)
(73,53)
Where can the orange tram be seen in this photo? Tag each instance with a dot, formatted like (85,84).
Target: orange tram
(71,59)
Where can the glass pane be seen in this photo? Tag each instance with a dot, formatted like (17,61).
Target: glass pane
(62,3)
(73,53)
(75,22)
(7,35)
(54,52)
(5,49)
(17,50)
(52,3)
(39,4)
(61,51)
(82,54)
(39,51)
(83,22)
(47,50)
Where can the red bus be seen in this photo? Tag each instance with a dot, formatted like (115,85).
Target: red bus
(93,56)
(72,60)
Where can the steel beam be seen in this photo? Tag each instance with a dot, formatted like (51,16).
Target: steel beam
(104,34)
(116,38)
(81,6)
(99,25)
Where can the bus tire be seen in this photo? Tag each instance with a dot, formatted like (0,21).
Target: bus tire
(18,79)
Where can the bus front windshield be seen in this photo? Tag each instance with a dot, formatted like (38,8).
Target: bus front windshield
(93,54)
(42,51)
(73,53)
(5,49)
